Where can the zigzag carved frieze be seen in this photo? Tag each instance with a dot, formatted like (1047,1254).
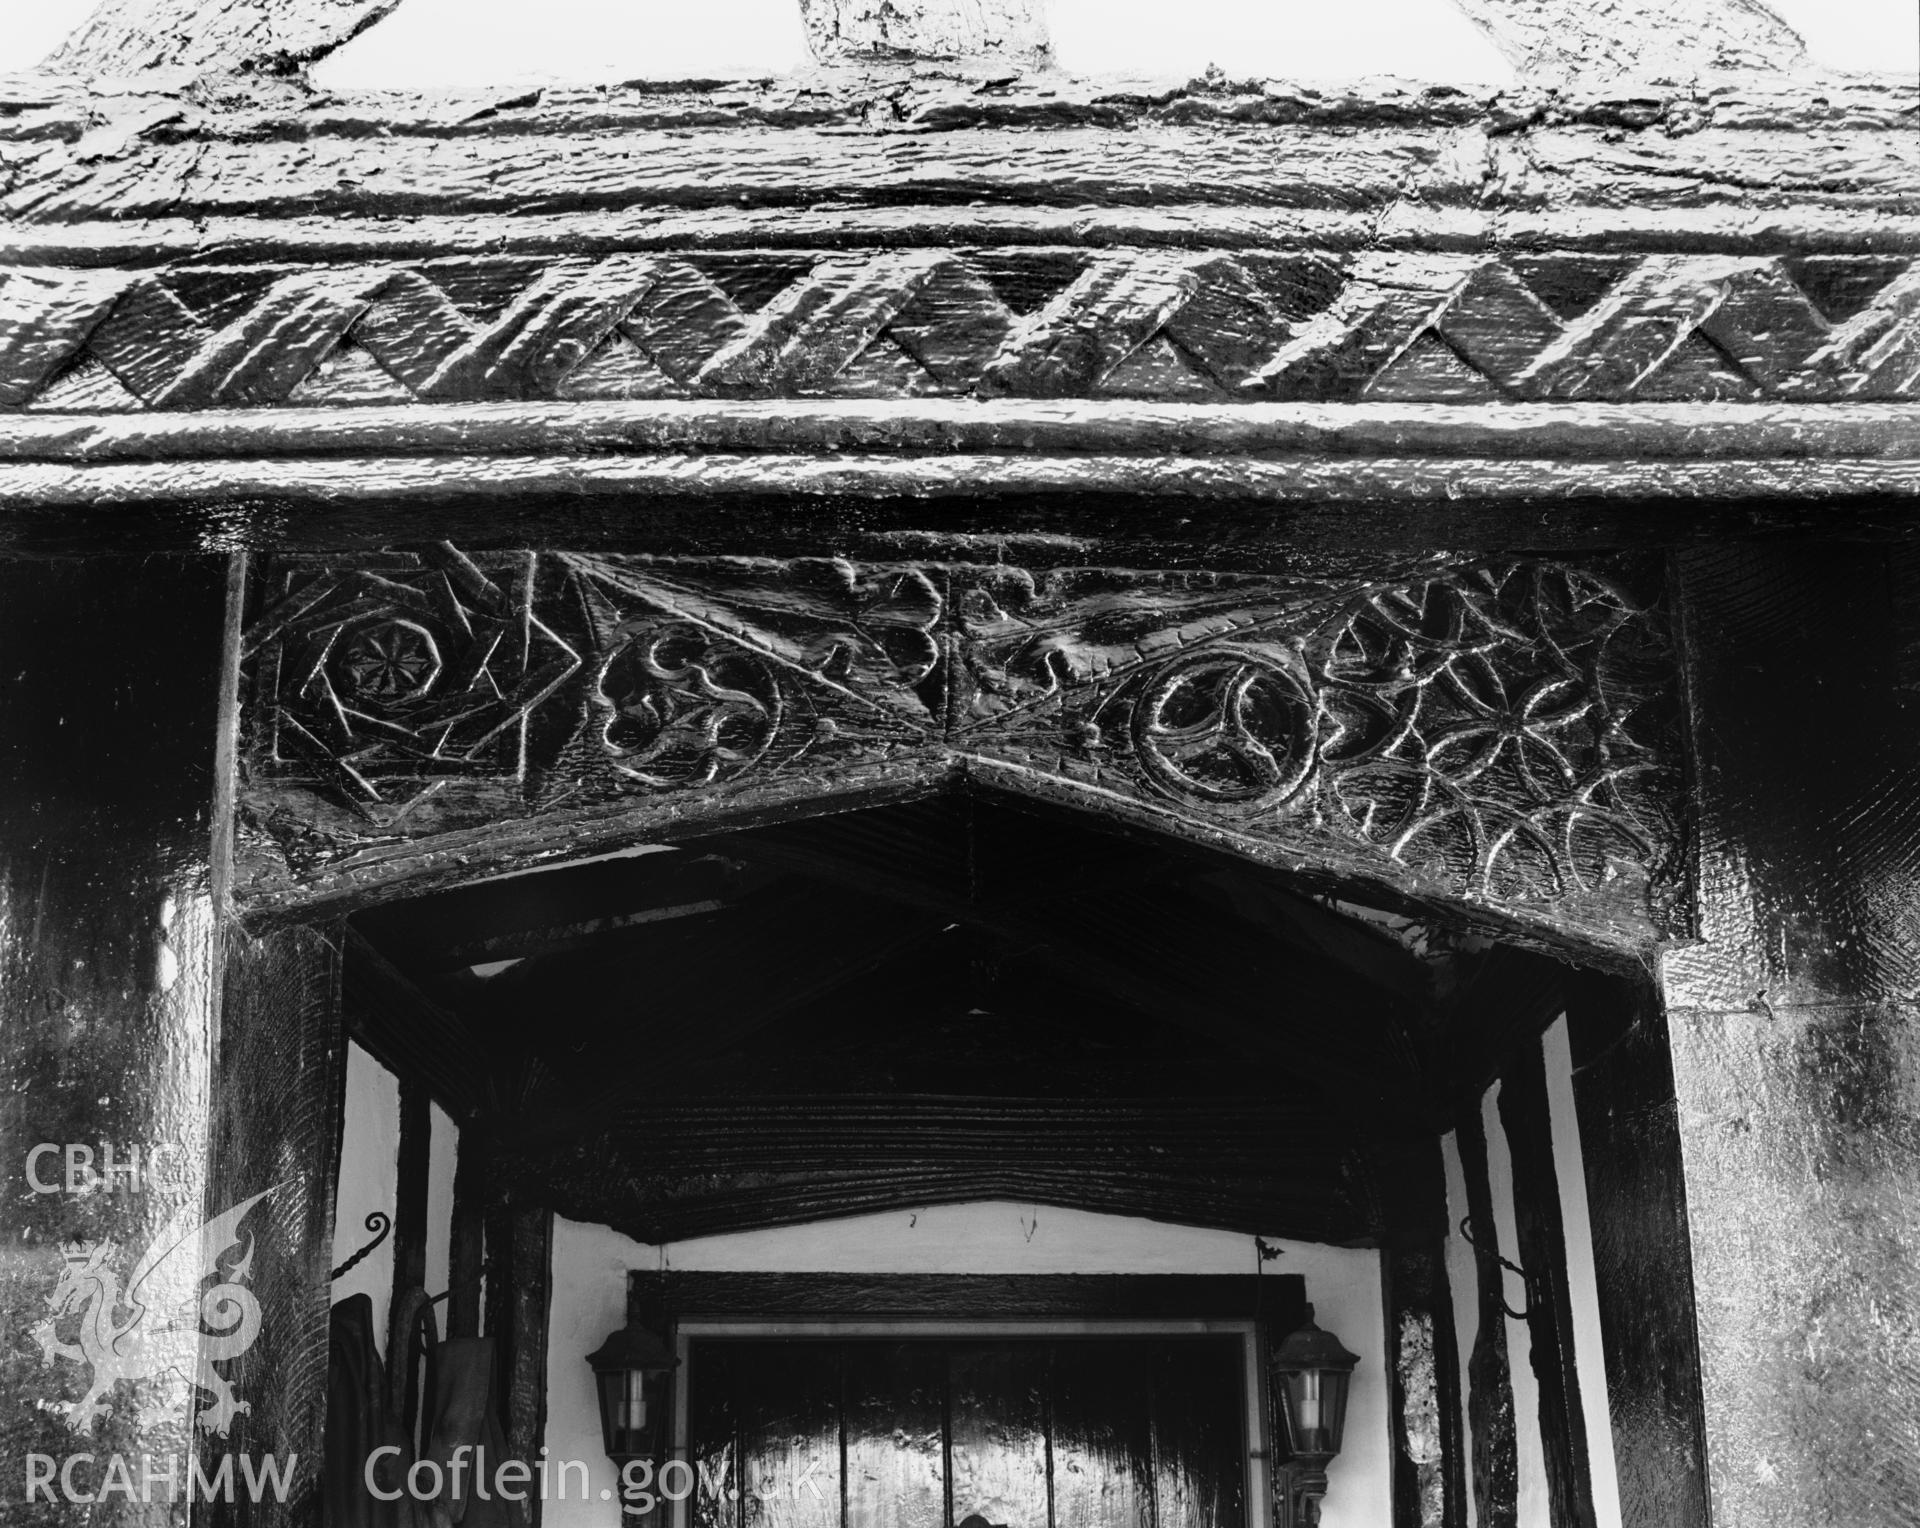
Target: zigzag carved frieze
(914,323)
(1504,731)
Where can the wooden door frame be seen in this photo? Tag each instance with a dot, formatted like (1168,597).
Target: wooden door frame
(1258,1466)
(189,229)
(1260,1308)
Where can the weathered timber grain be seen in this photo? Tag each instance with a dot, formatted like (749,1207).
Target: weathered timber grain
(739,1161)
(1494,1469)
(1007,31)
(1423,1400)
(1820,225)
(1726,140)
(407,175)
(466,1252)
(1604,931)
(1635,1177)
(1542,1250)
(524,1374)
(1379,167)
(111,969)
(124,37)
(55,108)
(1666,39)
(280,1056)
(1696,432)
(1796,1018)
(1374,478)
(411,1171)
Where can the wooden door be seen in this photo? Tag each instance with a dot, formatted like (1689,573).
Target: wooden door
(1095,1432)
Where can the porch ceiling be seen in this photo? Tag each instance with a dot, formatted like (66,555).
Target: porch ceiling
(936,1000)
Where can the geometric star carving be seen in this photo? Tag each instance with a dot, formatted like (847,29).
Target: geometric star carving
(383,680)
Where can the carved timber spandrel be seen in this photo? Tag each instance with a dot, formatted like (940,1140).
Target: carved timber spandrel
(382,683)
(1501,732)
(1501,729)
(1171,325)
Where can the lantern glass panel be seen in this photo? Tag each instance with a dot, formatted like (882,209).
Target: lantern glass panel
(1316,1411)
(630,1408)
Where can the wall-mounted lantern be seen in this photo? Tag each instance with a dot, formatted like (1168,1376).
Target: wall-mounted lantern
(1312,1372)
(630,1371)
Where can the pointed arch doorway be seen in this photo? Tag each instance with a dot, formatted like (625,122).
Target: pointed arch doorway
(968,998)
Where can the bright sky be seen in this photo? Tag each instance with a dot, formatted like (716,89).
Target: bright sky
(481,42)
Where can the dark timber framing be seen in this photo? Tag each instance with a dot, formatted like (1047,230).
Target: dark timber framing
(1204,319)
(1490,1413)
(1542,1248)
(1306,252)
(1636,1195)
(1277,1300)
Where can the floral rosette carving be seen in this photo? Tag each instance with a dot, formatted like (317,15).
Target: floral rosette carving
(1495,727)
(1478,724)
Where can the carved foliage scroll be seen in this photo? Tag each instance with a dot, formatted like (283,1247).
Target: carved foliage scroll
(1504,731)
(1179,326)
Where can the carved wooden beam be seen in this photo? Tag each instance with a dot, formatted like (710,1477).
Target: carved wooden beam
(1285,719)
(409,1033)
(268,37)
(899,158)
(1661,39)
(906,285)
(594,906)
(1001,291)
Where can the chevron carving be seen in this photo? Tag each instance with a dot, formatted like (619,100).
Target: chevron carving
(1171,325)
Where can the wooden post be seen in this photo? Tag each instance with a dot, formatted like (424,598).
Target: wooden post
(281,1054)
(1636,1199)
(1490,1394)
(109,988)
(1542,1252)
(1423,1397)
(525,1377)
(410,1207)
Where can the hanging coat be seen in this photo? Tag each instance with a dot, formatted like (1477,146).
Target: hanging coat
(465,1416)
(358,1423)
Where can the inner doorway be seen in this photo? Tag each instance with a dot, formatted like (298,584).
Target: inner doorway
(956,998)
(1055,1431)
(963,1000)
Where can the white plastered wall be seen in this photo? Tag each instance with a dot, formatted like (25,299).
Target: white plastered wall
(591,1264)
(369,1163)
(369,1179)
